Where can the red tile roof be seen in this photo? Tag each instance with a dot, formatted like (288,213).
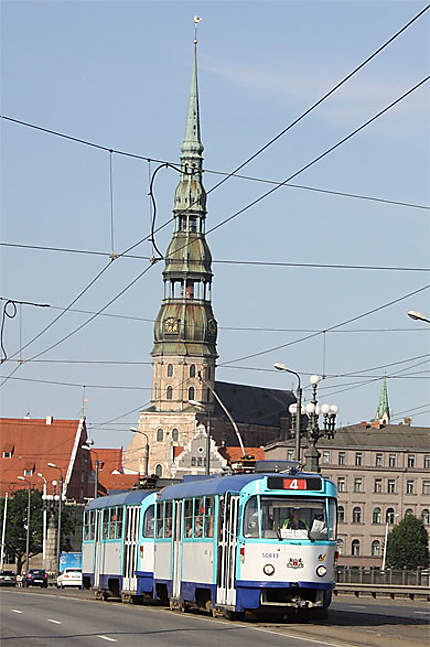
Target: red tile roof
(110,461)
(37,442)
(233,454)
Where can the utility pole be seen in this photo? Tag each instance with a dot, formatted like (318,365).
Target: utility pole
(3,532)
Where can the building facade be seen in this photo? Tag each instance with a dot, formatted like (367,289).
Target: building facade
(382,473)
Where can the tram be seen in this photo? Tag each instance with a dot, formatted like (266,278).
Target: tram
(227,543)
(117,557)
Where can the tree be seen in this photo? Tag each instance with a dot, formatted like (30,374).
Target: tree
(407,545)
(16,524)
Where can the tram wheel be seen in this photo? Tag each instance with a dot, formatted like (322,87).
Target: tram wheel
(235,615)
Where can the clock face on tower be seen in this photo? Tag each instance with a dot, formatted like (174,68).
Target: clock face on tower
(171,325)
(212,327)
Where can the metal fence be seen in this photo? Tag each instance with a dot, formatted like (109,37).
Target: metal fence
(361,575)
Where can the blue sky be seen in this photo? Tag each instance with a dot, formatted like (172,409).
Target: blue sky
(118,74)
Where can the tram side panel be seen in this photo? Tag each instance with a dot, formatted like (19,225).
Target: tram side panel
(146,548)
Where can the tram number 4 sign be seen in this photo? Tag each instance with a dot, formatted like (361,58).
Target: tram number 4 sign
(279,483)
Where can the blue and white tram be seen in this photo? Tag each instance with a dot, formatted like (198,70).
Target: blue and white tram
(118,544)
(225,543)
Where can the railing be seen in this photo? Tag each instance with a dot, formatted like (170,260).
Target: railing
(361,575)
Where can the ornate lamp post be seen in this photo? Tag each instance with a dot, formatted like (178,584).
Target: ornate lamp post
(137,431)
(27,537)
(60,505)
(44,516)
(314,431)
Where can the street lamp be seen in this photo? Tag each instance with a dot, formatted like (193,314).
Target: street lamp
(294,409)
(201,406)
(314,431)
(60,505)
(27,538)
(44,515)
(418,316)
(137,431)
(96,482)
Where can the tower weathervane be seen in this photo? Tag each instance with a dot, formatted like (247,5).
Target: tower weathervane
(197,19)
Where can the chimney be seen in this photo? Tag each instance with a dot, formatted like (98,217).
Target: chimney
(406,422)
(49,420)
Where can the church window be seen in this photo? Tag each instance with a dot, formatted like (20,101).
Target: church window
(189,290)
(159,470)
(193,370)
(193,224)
(169,393)
(175,435)
(191,393)
(159,435)
(183,223)
(170,370)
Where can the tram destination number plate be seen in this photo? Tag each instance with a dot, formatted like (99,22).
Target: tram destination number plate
(280,483)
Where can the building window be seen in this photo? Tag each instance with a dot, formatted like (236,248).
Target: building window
(427,462)
(341,484)
(193,461)
(391,486)
(28,472)
(193,370)
(341,458)
(191,393)
(378,460)
(358,458)
(358,484)
(170,370)
(341,514)
(159,435)
(389,517)
(378,485)
(411,460)
(326,458)
(408,511)
(290,454)
(159,470)
(425,516)
(409,487)
(169,393)
(7,455)
(426,487)
(175,435)
(377,515)
(356,515)
(376,548)
(392,460)
(340,546)
(355,548)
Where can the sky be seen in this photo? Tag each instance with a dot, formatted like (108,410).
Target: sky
(118,74)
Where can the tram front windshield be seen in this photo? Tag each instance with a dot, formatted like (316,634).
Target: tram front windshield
(287,518)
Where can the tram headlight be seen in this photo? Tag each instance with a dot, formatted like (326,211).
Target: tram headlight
(321,570)
(268,569)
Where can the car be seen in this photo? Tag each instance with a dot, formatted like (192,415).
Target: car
(35,577)
(7,578)
(69,577)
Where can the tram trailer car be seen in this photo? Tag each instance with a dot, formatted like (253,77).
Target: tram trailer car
(226,543)
(117,559)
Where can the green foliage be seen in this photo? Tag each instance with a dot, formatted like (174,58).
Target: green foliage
(16,522)
(407,545)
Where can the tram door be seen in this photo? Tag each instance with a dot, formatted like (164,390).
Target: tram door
(131,537)
(227,542)
(177,551)
(97,545)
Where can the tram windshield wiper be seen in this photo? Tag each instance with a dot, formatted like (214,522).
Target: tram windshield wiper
(278,532)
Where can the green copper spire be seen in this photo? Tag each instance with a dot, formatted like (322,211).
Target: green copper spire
(192,143)
(383,410)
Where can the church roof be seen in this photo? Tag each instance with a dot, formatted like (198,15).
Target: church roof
(253,404)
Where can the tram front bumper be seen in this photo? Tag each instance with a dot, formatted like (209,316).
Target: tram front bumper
(253,595)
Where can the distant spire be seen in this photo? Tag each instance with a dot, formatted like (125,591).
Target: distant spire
(383,410)
(192,142)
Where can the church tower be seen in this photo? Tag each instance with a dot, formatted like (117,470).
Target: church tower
(185,330)
(383,410)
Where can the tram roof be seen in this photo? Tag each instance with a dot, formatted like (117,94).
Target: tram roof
(217,485)
(130,497)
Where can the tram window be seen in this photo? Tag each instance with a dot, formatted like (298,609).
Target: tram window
(86,525)
(106,523)
(198,517)
(119,523)
(188,518)
(168,519)
(112,523)
(160,507)
(92,522)
(250,528)
(209,516)
(148,522)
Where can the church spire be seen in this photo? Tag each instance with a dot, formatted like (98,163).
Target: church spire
(383,410)
(192,141)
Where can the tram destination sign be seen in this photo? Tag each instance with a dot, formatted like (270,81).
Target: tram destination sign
(292,483)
